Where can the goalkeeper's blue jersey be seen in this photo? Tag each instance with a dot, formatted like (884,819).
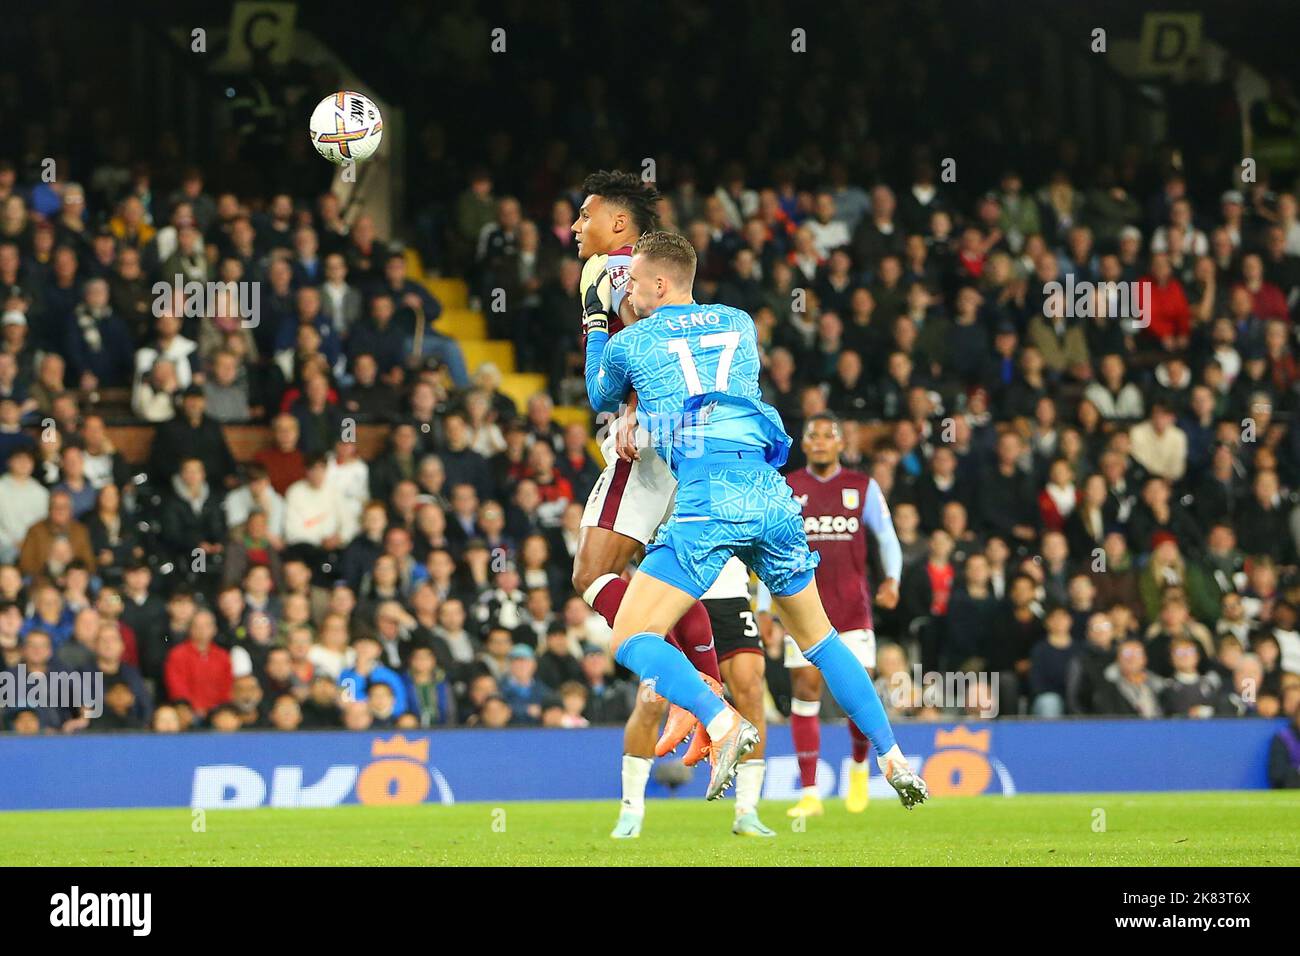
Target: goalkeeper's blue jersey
(695,369)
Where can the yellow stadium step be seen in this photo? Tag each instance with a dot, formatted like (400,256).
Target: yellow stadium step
(452,293)
(478,351)
(521,386)
(463,324)
(414,267)
(567,414)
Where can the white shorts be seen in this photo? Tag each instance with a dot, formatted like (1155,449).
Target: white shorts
(733,582)
(631,498)
(861,643)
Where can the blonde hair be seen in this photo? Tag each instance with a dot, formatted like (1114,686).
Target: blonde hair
(669,249)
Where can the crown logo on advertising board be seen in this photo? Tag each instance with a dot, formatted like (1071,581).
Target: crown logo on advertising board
(399,746)
(962,737)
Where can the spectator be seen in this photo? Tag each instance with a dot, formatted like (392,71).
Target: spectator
(316,513)
(228,390)
(103,463)
(257,494)
(462,463)
(1129,689)
(521,689)
(380,337)
(341,302)
(61,525)
(192,525)
(1049,663)
(1167,568)
(1111,395)
(320,711)
(399,463)
(192,434)
(608,701)
(97,342)
(72,480)
(115,540)
(1006,502)
(119,711)
(557,665)
(23,503)
(1159,445)
(369,398)
(284,460)
(199,671)
(1191,693)
(170,346)
(1085,671)
(366,672)
(429,690)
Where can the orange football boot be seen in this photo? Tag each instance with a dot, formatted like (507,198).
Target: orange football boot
(701,746)
(680,723)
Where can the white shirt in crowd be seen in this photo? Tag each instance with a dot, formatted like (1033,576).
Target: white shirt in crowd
(352,479)
(22,504)
(313,514)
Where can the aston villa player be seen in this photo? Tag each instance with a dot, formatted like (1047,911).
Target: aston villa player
(839,506)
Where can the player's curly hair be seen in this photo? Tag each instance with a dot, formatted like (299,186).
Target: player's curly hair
(628,191)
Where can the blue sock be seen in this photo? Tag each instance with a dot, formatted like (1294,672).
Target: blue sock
(851,686)
(652,658)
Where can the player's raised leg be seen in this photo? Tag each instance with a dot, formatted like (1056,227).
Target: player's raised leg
(601,557)
(803,616)
(805,727)
(602,553)
(694,635)
(650,608)
(625,508)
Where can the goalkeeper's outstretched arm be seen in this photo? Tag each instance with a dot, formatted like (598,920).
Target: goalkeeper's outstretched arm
(606,373)
(607,379)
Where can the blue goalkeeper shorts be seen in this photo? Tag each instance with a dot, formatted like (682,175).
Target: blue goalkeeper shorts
(732,503)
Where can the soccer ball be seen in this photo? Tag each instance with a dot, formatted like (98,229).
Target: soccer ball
(346,127)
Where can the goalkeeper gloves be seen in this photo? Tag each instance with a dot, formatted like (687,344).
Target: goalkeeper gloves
(597,295)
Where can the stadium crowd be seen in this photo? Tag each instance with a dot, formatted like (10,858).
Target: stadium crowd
(1096,508)
(1094,485)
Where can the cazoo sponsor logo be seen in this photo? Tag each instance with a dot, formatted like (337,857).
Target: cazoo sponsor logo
(398,774)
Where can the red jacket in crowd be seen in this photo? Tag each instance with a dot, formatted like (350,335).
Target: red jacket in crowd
(204,678)
(1167,305)
(1268,302)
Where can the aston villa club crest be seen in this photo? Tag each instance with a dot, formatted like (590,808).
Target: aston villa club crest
(852,500)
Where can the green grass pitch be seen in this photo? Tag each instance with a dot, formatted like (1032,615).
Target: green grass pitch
(1124,829)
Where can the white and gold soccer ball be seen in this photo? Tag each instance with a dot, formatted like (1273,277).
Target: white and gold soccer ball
(346,127)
